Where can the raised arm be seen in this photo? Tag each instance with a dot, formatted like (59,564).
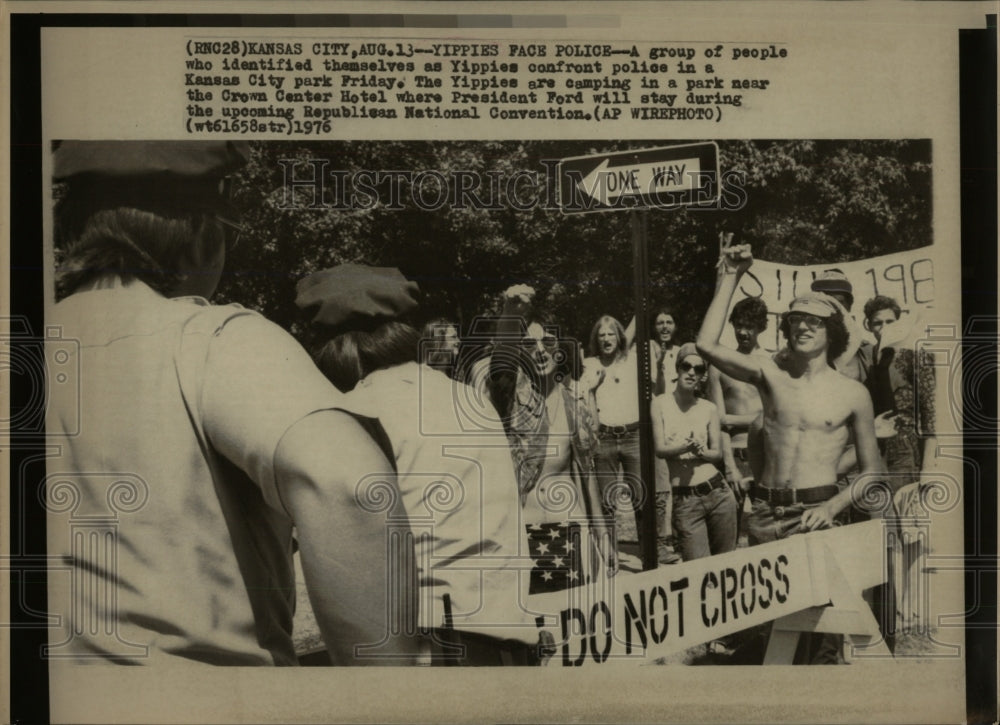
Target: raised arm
(733,264)
(630,333)
(505,360)
(358,592)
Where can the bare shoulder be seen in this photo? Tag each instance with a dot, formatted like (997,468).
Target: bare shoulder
(707,406)
(662,402)
(772,365)
(854,391)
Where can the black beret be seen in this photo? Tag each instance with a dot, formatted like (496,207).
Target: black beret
(149,174)
(354,296)
(118,159)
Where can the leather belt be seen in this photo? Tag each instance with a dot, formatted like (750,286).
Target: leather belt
(700,489)
(792,496)
(617,430)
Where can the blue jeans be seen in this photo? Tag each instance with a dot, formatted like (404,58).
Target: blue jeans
(618,461)
(771,523)
(705,525)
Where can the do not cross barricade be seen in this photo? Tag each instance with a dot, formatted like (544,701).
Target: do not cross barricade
(806,583)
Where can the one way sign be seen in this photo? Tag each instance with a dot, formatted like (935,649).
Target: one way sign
(660,177)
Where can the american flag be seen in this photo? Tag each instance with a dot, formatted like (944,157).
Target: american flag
(557,554)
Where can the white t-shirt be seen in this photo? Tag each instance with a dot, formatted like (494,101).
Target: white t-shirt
(679,425)
(618,395)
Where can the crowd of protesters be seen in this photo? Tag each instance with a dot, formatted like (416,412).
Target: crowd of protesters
(484,461)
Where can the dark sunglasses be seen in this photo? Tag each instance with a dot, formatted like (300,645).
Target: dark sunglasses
(549,342)
(687,367)
(811,321)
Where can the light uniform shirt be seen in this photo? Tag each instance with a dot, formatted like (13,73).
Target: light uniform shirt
(165,516)
(460,494)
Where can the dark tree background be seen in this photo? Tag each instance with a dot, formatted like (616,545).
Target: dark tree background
(805,202)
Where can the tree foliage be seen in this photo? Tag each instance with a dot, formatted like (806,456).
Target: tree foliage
(805,202)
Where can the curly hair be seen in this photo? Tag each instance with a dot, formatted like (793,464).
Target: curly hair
(880,302)
(836,334)
(749,312)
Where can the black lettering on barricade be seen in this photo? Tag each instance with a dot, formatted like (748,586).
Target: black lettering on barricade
(782,596)
(574,624)
(605,612)
(729,591)
(645,620)
(709,581)
(679,586)
(658,634)
(751,590)
(565,617)
(765,580)
(636,619)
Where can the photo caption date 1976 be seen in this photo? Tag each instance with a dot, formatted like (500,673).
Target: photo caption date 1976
(300,88)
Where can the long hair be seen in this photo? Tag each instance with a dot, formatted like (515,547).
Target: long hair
(129,243)
(349,356)
(836,334)
(595,347)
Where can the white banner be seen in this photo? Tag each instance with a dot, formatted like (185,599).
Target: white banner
(908,277)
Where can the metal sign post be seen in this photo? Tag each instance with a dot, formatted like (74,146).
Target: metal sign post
(647,532)
(665,178)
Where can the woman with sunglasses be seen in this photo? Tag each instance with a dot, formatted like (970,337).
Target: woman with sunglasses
(686,433)
(553,441)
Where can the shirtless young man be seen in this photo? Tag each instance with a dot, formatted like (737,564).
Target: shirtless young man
(809,409)
(739,402)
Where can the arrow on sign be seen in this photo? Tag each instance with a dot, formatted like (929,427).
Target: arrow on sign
(607,184)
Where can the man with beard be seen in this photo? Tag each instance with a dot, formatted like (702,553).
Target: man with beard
(663,351)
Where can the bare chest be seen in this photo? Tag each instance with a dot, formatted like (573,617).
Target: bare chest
(809,404)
